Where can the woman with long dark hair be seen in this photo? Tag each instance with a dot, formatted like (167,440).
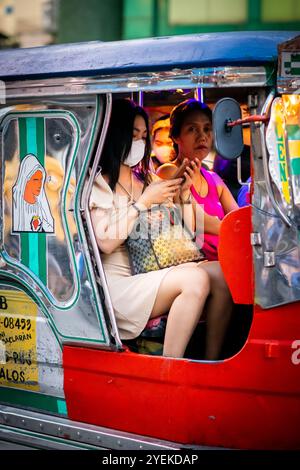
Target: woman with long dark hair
(117,198)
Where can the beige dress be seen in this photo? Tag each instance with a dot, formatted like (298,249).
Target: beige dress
(132,297)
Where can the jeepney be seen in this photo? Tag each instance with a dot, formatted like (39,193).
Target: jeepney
(66,378)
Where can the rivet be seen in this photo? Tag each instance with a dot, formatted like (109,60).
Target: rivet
(269,259)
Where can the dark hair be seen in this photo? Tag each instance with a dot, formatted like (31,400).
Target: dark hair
(180,113)
(142,171)
(162,122)
(119,140)
(163,117)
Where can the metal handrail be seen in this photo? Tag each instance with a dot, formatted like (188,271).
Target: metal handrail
(239,173)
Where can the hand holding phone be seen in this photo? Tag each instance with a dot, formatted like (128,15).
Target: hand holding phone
(180,170)
(166,171)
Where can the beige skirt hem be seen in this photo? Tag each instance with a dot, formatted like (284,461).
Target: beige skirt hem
(133,298)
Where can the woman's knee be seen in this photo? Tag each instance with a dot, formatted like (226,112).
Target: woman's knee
(192,281)
(217,279)
(196,283)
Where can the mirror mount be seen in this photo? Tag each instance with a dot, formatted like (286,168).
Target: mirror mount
(227,124)
(228,135)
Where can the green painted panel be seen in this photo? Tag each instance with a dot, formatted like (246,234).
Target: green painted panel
(24,249)
(42,257)
(138,28)
(138,19)
(31,146)
(13,396)
(22,137)
(207,12)
(89,20)
(33,245)
(138,24)
(293,131)
(295,163)
(277,10)
(33,255)
(135,8)
(23,152)
(62,406)
(42,241)
(40,140)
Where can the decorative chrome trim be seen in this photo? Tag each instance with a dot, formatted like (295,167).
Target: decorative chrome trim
(266,110)
(223,77)
(288,85)
(32,441)
(60,430)
(210,77)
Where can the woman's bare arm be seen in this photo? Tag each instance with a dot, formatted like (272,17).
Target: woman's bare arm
(212,223)
(112,228)
(109,233)
(226,198)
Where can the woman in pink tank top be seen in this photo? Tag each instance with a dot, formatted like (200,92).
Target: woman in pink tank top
(212,206)
(191,131)
(210,200)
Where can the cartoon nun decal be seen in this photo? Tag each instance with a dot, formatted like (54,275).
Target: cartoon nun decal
(31,212)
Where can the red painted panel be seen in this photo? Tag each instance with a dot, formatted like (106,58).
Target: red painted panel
(249,401)
(235,254)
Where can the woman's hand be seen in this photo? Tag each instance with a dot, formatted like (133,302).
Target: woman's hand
(191,171)
(159,192)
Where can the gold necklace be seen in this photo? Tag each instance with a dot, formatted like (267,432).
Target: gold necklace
(129,194)
(200,185)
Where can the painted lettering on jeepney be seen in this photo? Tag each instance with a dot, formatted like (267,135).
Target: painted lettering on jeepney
(282,161)
(18,365)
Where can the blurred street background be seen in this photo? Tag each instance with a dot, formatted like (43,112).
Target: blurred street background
(29,23)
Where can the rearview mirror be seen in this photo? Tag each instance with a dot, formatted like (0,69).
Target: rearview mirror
(228,140)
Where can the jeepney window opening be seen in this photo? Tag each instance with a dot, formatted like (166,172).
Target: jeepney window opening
(153,100)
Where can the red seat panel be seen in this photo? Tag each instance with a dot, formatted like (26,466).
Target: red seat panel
(235,254)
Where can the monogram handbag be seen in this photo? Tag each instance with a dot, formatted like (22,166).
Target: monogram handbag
(159,240)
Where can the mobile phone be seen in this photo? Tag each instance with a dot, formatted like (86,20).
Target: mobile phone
(169,171)
(180,171)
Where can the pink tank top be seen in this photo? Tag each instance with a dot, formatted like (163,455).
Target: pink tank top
(212,206)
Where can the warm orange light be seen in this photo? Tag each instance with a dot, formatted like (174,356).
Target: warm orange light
(291,105)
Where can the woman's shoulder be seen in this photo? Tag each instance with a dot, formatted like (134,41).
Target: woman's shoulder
(215,182)
(213,177)
(101,195)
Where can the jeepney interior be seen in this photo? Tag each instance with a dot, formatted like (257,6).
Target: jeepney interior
(158,103)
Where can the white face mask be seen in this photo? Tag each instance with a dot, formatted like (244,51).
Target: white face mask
(163,153)
(136,153)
